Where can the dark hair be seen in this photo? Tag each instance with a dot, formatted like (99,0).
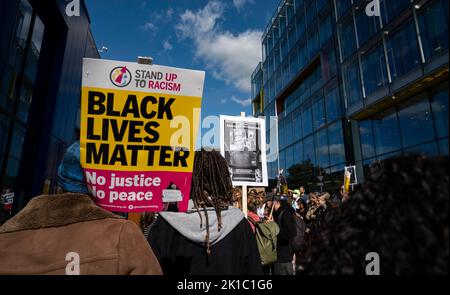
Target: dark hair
(303,202)
(211,186)
(252,204)
(401,213)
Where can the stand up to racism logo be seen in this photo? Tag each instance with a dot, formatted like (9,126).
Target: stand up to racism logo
(120,76)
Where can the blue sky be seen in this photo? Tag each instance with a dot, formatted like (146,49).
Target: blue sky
(222,38)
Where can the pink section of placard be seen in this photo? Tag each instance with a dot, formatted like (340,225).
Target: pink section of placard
(137,191)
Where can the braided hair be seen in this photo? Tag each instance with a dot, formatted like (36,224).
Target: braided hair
(401,213)
(211,187)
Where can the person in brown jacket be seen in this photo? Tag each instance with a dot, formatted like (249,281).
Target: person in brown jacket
(69,234)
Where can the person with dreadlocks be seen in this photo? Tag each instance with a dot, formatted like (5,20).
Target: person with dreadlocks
(212,237)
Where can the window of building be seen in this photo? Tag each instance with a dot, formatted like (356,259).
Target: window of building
(367,139)
(297,126)
(322,149)
(299,6)
(285,73)
(290,13)
(390,9)
(403,51)
(277,84)
(313,42)
(265,71)
(270,93)
(298,152)
(304,91)
(270,66)
(329,64)
(336,142)
(283,160)
(315,80)
(269,44)
(307,121)
(14,156)
(320,4)
(303,56)
(386,133)
(16,55)
(281,134)
(301,27)
(333,105)
(276,58)
(352,82)
(439,104)
(293,63)
(342,6)
(319,114)
(366,26)
(282,24)
(433,26)
(284,48)
(416,122)
(4,126)
(292,35)
(347,38)
(289,157)
(288,131)
(325,30)
(311,12)
(276,31)
(374,70)
(309,150)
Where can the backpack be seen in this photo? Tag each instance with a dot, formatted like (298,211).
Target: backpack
(266,239)
(297,243)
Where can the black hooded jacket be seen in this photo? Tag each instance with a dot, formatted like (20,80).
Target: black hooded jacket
(178,242)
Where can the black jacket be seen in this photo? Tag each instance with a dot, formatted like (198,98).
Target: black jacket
(285,220)
(235,254)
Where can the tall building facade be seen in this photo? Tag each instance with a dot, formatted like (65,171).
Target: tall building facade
(352,88)
(41,52)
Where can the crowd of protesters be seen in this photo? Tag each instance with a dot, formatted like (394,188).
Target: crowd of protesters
(401,213)
(291,209)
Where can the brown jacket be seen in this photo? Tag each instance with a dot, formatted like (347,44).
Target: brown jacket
(38,238)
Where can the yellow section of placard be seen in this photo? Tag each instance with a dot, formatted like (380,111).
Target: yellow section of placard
(138,131)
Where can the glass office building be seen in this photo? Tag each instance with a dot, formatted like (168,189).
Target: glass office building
(350,89)
(41,51)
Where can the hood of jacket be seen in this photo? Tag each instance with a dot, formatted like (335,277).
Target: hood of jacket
(191,227)
(55,211)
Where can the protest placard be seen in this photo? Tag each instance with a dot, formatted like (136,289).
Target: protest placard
(243,145)
(138,131)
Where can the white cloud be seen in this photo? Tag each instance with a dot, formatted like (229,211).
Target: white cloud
(149,27)
(230,57)
(157,18)
(167,45)
(242,102)
(240,3)
(169,13)
(223,101)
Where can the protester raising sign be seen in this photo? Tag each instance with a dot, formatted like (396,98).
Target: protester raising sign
(138,130)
